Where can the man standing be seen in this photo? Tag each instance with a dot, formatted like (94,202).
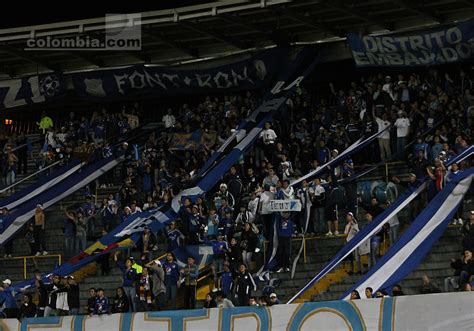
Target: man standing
(190,274)
(384,138)
(285,232)
(39,230)
(403,125)
(268,137)
(7,300)
(171,279)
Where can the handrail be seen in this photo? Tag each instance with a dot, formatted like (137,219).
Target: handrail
(33,257)
(22,145)
(28,177)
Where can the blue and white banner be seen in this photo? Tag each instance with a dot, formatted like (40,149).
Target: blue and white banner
(154,80)
(128,233)
(30,90)
(372,228)
(409,251)
(354,148)
(436,46)
(41,185)
(15,221)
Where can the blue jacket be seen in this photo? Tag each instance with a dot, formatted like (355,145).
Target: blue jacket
(171,273)
(101,306)
(285,228)
(7,299)
(227,281)
(129,276)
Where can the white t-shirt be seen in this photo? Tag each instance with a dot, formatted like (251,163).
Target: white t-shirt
(169,121)
(382,125)
(268,136)
(402,124)
(317,190)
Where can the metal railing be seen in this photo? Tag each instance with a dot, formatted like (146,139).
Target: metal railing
(28,177)
(33,257)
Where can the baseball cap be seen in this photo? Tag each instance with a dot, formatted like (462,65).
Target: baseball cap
(7,281)
(273,295)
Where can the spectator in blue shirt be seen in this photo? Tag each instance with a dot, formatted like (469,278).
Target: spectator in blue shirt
(175,237)
(129,277)
(226,280)
(7,300)
(101,303)
(220,246)
(285,232)
(172,274)
(88,209)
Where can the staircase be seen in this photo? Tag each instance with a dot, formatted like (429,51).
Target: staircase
(54,215)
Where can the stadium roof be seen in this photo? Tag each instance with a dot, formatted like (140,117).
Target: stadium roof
(220,28)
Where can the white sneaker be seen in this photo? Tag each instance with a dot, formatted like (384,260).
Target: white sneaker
(280,270)
(287,269)
(460,221)
(45,253)
(9,255)
(5,256)
(336,233)
(329,234)
(37,254)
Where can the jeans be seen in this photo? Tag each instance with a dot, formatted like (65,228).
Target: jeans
(81,243)
(131,294)
(384,147)
(171,293)
(247,258)
(401,142)
(10,177)
(91,227)
(38,233)
(451,283)
(69,245)
(319,222)
(393,233)
(374,253)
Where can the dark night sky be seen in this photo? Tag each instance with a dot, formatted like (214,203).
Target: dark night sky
(42,12)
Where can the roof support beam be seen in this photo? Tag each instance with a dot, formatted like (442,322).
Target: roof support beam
(28,57)
(94,60)
(342,7)
(310,21)
(213,34)
(193,52)
(420,10)
(237,20)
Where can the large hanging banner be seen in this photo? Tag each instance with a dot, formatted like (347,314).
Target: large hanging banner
(373,227)
(436,46)
(416,242)
(155,80)
(446,311)
(30,90)
(128,232)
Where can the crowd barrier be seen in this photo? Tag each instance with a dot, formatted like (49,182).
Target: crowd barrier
(446,311)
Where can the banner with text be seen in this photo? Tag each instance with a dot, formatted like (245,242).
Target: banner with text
(447,311)
(436,46)
(143,80)
(273,206)
(30,90)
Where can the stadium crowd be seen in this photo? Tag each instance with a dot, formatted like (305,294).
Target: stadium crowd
(431,116)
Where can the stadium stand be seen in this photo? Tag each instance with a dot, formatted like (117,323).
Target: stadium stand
(150,189)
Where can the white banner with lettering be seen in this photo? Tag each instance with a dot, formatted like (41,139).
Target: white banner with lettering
(447,311)
(272,206)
